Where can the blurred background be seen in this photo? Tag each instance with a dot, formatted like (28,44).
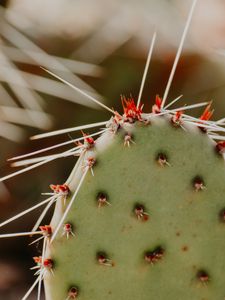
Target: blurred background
(100,46)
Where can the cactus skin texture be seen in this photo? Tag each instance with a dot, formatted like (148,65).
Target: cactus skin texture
(149,224)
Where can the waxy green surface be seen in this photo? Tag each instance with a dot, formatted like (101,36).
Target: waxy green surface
(183,221)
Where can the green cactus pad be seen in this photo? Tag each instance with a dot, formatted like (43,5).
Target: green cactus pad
(149,225)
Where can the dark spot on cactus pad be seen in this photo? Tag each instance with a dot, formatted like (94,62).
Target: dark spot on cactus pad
(154,255)
(102,259)
(140,212)
(162,159)
(222,215)
(102,199)
(198,183)
(177,233)
(185,248)
(72,293)
(203,276)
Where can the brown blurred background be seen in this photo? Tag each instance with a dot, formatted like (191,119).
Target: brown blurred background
(114,36)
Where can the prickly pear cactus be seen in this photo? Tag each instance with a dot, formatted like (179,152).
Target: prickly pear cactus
(145,214)
(142,215)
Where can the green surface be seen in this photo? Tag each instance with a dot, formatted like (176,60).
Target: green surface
(185,223)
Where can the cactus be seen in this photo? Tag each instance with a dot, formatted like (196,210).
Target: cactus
(150,223)
(142,214)
(143,206)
